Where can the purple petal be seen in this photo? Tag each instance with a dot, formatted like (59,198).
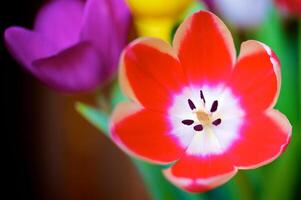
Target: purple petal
(101,28)
(122,18)
(97,25)
(61,22)
(74,47)
(27,46)
(73,70)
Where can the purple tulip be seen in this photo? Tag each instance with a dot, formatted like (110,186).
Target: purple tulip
(75,45)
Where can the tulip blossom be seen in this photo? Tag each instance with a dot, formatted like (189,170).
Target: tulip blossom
(243,14)
(196,107)
(74,46)
(292,7)
(156,18)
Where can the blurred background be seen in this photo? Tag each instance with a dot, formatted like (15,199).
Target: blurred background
(51,152)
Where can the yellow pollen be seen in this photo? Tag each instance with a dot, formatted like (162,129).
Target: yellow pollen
(203,117)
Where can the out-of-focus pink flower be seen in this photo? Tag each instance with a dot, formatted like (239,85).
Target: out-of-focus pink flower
(74,45)
(291,7)
(241,13)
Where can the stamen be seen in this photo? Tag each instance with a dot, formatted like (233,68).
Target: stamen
(202,96)
(187,122)
(191,104)
(217,121)
(198,127)
(214,106)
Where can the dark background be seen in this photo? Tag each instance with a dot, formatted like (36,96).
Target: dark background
(50,152)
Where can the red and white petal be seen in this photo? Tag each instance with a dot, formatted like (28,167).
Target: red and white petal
(256,78)
(205,48)
(200,173)
(144,133)
(262,139)
(150,72)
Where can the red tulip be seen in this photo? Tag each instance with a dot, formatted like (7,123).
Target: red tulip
(196,107)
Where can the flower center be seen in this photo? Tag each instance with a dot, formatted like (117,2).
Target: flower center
(204,118)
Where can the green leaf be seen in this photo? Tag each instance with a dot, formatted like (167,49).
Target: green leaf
(117,95)
(95,116)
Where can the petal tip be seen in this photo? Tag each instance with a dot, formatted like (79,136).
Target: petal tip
(200,184)
(214,19)
(284,125)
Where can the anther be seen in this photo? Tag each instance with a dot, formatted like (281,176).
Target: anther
(187,122)
(198,127)
(202,96)
(214,106)
(191,104)
(217,121)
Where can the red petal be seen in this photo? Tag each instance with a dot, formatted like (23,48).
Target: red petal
(201,173)
(205,48)
(256,77)
(150,71)
(263,138)
(144,133)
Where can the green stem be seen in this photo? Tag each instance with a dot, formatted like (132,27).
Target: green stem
(158,186)
(244,185)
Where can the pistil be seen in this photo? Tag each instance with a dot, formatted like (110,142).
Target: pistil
(203,117)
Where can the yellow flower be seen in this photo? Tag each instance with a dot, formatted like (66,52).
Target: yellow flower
(156,18)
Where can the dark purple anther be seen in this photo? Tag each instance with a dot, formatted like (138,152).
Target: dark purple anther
(191,104)
(217,122)
(198,127)
(214,106)
(187,122)
(202,96)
